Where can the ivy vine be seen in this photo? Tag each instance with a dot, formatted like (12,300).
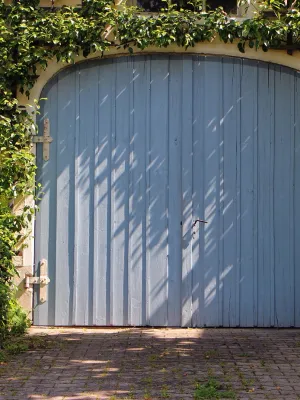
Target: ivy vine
(31,36)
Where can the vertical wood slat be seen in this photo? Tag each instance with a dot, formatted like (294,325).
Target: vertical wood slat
(137,205)
(255,193)
(158,186)
(248,116)
(231,90)
(76,197)
(45,227)
(238,194)
(199,95)
(148,156)
(187,191)
(272,77)
(112,148)
(220,198)
(292,282)
(284,304)
(64,260)
(297,201)
(174,193)
(211,190)
(265,193)
(120,188)
(85,185)
(160,141)
(102,195)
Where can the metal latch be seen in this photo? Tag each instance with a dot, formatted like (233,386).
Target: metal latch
(195,223)
(42,280)
(46,139)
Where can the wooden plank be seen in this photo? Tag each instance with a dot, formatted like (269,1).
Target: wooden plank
(45,225)
(292,269)
(85,194)
(158,191)
(248,127)
(255,66)
(212,93)
(65,148)
(199,167)
(175,193)
(76,196)
(265,192)
(284,289)
(297,201)
(112,193)
(272,77)
(137,199)
(120,196)
(102,194)
(238,198)
(220,200)
(187,190)
(148,156)
(229,121)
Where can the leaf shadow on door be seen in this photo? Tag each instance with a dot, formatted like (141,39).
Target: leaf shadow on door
(143,147)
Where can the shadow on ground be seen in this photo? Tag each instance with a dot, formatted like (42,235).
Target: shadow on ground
(154,364)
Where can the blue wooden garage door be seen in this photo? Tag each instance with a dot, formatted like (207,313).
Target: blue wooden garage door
(143,147)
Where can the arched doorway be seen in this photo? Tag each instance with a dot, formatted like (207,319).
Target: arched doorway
(143,148)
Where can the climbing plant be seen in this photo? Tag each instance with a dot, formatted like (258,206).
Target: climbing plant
(30,36)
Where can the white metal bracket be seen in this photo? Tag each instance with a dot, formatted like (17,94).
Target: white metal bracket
(46,139)
(42,280)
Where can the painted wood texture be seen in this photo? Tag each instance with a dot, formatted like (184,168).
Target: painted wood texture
(145,146)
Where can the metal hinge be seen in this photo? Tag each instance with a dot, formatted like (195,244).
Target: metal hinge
(42,280)
(46,139)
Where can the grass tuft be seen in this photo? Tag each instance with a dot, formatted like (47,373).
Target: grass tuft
(212,390)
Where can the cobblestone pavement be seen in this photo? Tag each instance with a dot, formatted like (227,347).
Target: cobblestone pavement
(155,364)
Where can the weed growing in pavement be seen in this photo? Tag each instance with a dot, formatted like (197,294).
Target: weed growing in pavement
(211,354)
(20,344)
(165,392)
(212,389)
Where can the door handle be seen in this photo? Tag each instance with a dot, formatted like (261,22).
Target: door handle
(199,220)
(195,223)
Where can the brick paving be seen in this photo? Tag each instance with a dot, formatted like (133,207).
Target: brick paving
(151,364)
